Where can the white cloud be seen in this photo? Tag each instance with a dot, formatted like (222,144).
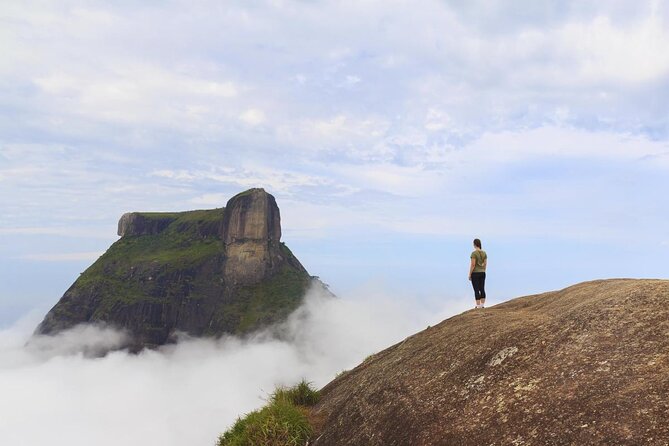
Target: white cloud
(284,182)
(253,116)
(72,231)
(560,142)
(437,120)
(20,172)
(481,78)
(138,93)
(62,257)
(212,200)
(341,127)
(603,51)
(180,175)
(352,80)
(659,159)
(89,340)
(191,392)
(305,220)
(390,178)
(354,137)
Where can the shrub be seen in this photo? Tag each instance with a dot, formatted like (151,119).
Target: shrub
(282,422)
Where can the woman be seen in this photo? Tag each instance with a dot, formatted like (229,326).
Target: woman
(479,261)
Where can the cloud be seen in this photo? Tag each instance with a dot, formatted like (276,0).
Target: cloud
(391,178)
(190,392)
(408,183)
(78,232)
(137,94)
(638,55)
(253,117)
(352,80)
(214,67)
(88,340)
(354,137)
(284,182)
(551,142)
(62,257)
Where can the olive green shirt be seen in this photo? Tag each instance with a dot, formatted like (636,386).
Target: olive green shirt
(480,256)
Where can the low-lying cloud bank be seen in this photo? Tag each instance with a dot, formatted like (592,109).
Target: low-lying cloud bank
(184,394)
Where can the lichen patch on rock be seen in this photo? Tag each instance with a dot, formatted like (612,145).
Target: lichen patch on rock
(502,355)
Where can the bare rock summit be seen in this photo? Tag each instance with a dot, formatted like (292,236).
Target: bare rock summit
(587,365)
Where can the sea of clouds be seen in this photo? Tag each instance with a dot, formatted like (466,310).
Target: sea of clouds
(53,391)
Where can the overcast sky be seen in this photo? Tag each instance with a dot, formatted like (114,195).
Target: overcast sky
(391,133)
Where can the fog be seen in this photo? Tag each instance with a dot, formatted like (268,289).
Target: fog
(54,392)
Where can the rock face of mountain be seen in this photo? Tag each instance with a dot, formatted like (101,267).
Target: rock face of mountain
(587,365)
(204,272)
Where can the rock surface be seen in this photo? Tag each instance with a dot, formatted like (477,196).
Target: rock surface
(135,223)
(251,231)
(201,272)
(587,365)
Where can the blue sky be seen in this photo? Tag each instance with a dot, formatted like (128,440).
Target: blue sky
(391,133)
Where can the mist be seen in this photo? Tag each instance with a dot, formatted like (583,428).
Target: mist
(54,392)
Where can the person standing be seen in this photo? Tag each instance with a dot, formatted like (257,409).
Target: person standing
(477,266)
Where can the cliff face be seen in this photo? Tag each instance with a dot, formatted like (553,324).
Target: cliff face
(251,232)
(587,365)
(202,272)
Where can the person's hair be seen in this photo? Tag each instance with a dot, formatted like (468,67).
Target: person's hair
(477,243)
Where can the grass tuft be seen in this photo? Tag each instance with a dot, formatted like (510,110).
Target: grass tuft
(302,394)
(341,373)
(282,422)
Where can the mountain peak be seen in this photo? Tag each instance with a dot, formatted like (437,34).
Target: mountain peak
(252,215)
(203,272)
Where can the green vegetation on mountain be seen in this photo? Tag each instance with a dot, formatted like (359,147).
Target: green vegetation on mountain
(272,299)
(203,272)
(284,421)
(134,265)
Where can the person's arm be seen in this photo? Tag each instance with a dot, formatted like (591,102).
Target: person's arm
(472,264)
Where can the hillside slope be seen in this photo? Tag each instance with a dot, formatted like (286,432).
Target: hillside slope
(587,365)
(205,272)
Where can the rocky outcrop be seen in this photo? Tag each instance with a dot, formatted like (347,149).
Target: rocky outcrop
(251,232)
(252,216)
(135,223)
(204,272)
(587,365)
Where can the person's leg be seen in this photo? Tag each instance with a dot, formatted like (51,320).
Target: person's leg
(476,283)
(482,289)
(477,295)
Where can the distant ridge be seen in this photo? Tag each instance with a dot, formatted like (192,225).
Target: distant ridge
(205,272)
(587,365)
